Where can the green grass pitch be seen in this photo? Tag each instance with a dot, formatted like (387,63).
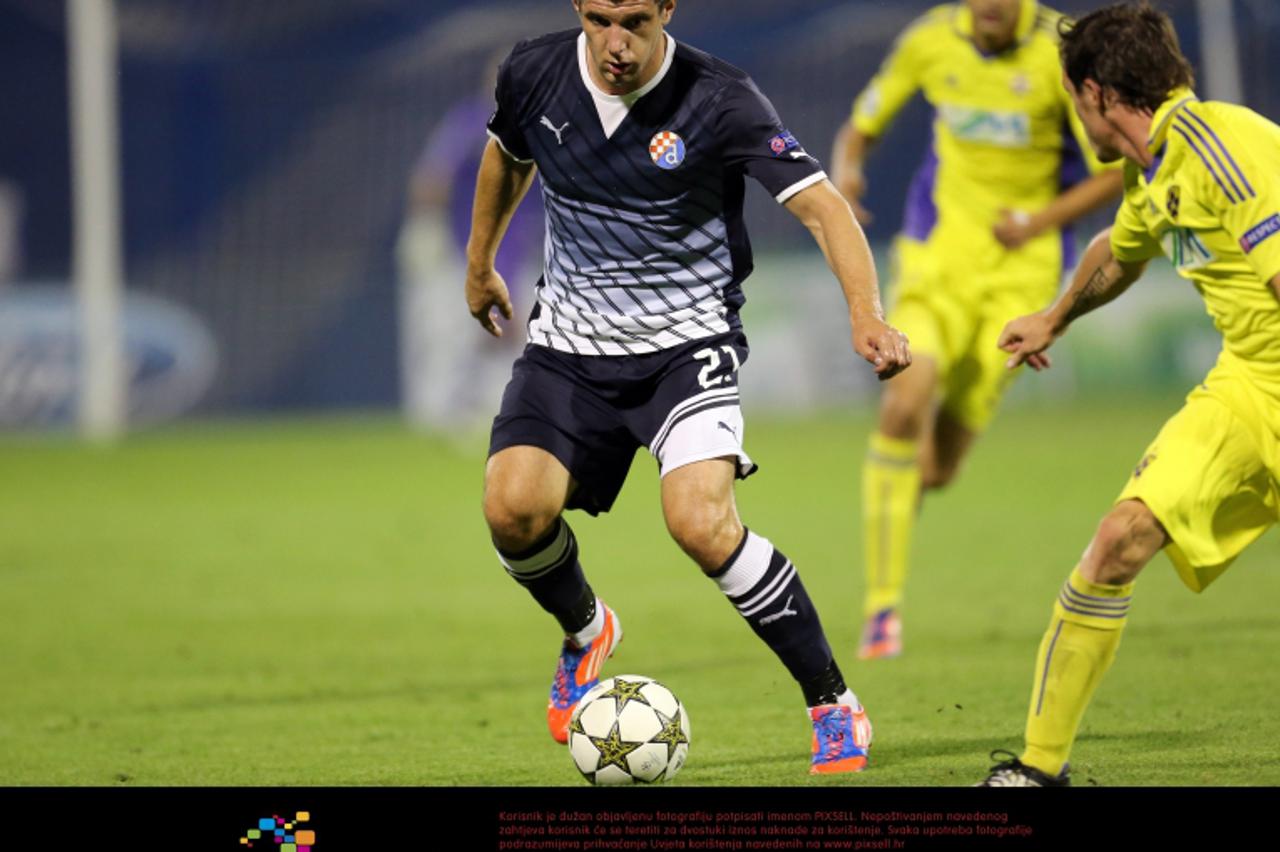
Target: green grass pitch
(316,603)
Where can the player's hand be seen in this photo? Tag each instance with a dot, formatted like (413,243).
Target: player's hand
(1027,338)
(883,346)
(485,291)
(853,185)
(1014,228)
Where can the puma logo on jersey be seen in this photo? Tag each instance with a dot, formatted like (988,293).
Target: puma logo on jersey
(726,427)
(546,122)
(782,613)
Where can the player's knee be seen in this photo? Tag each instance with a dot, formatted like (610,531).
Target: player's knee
(516,520)
(903,416)
(1126,540)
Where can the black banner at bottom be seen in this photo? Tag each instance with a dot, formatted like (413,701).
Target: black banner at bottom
(324,819)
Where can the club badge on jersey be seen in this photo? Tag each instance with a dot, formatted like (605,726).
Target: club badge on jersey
(666,149)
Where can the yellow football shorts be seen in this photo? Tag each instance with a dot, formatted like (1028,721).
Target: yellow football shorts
(1210,476)
(956,320)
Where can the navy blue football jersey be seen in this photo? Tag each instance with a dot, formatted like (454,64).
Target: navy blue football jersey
(646,247)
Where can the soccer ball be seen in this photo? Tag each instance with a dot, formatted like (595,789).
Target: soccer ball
(629,729)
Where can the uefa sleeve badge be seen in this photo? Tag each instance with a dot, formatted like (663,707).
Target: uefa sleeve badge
(666,149)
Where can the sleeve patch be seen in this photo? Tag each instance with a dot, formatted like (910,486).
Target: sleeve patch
(784,142)
(1260,232)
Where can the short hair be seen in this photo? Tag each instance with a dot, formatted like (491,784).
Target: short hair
(578,3)
(1130,48)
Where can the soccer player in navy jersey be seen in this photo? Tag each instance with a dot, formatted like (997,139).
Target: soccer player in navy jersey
(642,144)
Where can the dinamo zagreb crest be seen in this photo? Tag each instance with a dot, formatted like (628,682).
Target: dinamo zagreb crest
(666,149)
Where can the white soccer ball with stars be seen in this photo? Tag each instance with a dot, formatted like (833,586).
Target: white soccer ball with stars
(629,729)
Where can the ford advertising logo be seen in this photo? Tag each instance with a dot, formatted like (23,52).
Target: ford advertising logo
(170,357)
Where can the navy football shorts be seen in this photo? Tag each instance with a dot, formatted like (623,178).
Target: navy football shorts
(593,411)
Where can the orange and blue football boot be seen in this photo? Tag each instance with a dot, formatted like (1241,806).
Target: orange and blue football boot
(882,637)
(577,671)
(841,739)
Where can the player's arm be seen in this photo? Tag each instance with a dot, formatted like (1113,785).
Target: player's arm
(1099,278)
(848,155)
(500,185)
(828,217)
(1081,199)
(873,111)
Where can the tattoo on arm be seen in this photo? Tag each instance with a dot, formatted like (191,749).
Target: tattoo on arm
(1093,294)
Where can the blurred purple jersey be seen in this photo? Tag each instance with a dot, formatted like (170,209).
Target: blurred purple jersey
(452,159)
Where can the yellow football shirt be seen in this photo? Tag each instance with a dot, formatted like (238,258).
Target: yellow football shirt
(1002,122)
(1210,202)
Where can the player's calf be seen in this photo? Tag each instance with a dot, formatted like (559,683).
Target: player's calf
(907,403)
(765,588)
(698,506)
(525,491)
(707,539)
(551,572)
(942,456)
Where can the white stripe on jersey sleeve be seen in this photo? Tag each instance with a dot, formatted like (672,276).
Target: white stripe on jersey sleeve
(510,155)
(805,183)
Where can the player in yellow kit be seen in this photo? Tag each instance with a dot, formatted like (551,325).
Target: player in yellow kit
(1202,186)
(982,242)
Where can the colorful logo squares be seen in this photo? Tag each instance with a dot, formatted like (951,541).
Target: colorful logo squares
(283,833)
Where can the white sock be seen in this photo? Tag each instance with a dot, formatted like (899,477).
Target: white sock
(848,699)
(584,637)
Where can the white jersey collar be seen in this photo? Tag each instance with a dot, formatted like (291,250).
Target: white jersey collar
(613,108)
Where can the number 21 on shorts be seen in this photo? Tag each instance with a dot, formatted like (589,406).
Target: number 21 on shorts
(712,357)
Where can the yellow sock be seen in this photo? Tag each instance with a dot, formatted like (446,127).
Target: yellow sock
(1075,653)
(890,493)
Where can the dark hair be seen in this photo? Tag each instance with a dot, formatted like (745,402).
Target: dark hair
(577,3)
(1129,48)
